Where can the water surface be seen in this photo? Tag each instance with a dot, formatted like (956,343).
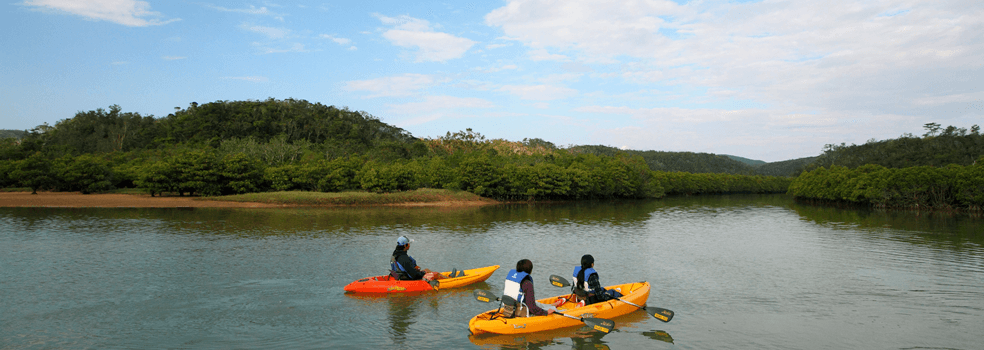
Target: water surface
(739,271)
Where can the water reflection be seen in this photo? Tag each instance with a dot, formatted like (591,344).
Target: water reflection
(662,336)
(950,230)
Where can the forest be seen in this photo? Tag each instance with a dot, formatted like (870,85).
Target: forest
(232,147)
(943,169)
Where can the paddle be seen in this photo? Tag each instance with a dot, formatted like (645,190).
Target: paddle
(603,325)
(656,312)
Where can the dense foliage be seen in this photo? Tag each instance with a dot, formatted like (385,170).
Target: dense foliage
(792,167)
(676,161)
(5,133)
(938,147)
(920,187)
(224,147)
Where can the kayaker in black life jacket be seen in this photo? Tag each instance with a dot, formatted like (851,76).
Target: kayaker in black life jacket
(587,286)
(519,286)
(404,267)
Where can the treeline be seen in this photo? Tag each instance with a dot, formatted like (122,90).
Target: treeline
(938,147)
(792,167)
(15,134)
(676,161)
(254,146)
(920,187)
(941,170)
(208,171)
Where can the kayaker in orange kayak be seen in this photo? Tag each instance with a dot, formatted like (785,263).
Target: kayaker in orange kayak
(587,286)
(519,286)
(404,267)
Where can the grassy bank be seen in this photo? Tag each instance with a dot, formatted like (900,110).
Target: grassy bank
(424,195)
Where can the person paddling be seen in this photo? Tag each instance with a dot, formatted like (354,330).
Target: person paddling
(587,286)
(404,267)
(519,286)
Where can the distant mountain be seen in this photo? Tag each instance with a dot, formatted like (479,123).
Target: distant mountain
(676,161)
(792,167)
(4,133)
(751,162)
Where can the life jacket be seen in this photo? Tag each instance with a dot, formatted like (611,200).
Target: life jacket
(512,288)
(586,294)
(398,271)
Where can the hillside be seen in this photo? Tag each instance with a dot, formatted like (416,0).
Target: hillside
(676,161)
(751,162)
(938,147)
(5,133)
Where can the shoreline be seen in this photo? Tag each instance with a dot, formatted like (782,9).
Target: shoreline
(111,200)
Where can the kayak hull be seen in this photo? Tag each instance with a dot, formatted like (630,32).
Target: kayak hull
(386,283)
(489,322)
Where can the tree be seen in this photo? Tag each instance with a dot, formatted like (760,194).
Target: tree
(33,172)
(931,129)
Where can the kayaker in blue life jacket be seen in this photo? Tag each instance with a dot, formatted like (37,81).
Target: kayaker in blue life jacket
(404,267)
(587,286)
(519,286)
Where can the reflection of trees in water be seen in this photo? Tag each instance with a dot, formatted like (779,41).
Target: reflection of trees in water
(946,230)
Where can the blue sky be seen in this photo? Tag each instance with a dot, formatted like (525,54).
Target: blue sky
(767,80)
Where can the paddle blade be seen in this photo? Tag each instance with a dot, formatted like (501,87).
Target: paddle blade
(484,296)
(558,281)
(599,324)
(434,284)
(660,313)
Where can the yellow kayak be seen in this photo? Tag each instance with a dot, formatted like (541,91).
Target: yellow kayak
(490,322)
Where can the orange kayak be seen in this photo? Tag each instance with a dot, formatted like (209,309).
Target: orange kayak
(387,284)
(490,322)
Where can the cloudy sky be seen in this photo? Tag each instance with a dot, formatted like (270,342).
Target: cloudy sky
(767,80)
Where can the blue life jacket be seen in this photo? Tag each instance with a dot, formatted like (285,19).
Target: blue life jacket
(587,273)
(395,266)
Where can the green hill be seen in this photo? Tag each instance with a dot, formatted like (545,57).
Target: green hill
(5,133)
(750,162)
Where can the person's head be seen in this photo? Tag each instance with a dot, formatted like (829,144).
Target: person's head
(587,261)
(525,265)
(403,243)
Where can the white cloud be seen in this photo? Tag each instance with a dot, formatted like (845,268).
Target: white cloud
(252,10)
(295,47)
(270,32)
(337,40)
(497,68)
(539,92)
(436,107)
(254,79)
(543,55)
(126,12)
(432,46)
(878,57)
(401,85)
(740,131)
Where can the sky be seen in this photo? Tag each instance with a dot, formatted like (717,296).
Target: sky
(765,80)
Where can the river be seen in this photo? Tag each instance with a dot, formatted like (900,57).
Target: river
(740,272)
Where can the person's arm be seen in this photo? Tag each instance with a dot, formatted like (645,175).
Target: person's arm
(530,300)
(412,270)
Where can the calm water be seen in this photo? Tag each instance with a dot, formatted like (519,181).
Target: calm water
(741,272)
